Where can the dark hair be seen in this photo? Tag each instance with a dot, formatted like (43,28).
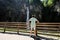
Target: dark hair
(33,15)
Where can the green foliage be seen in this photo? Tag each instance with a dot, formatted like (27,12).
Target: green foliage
(50,2)
(30,1)
(47,2)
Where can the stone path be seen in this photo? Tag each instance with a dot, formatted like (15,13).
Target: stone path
(14,37)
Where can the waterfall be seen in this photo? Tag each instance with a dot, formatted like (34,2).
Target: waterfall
(27,18)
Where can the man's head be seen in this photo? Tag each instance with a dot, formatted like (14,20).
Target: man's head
(33,15)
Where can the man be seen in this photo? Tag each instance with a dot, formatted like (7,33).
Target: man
(32,22)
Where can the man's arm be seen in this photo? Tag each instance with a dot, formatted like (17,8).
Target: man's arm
(37,21)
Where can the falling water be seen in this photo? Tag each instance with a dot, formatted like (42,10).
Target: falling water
(27,18)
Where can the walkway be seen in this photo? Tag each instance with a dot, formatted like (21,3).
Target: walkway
(14,37)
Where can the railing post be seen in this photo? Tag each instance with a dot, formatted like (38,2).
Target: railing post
(18,29)
(5,27)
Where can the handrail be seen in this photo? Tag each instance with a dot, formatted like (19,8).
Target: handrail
(21,24)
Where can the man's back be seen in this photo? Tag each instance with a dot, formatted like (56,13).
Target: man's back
(33,21)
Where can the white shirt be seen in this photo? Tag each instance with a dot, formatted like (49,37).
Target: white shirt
(33,22)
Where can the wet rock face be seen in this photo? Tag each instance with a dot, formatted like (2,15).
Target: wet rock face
(11,10)
(15,10)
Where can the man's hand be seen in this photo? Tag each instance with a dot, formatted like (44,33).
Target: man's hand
(37,21)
